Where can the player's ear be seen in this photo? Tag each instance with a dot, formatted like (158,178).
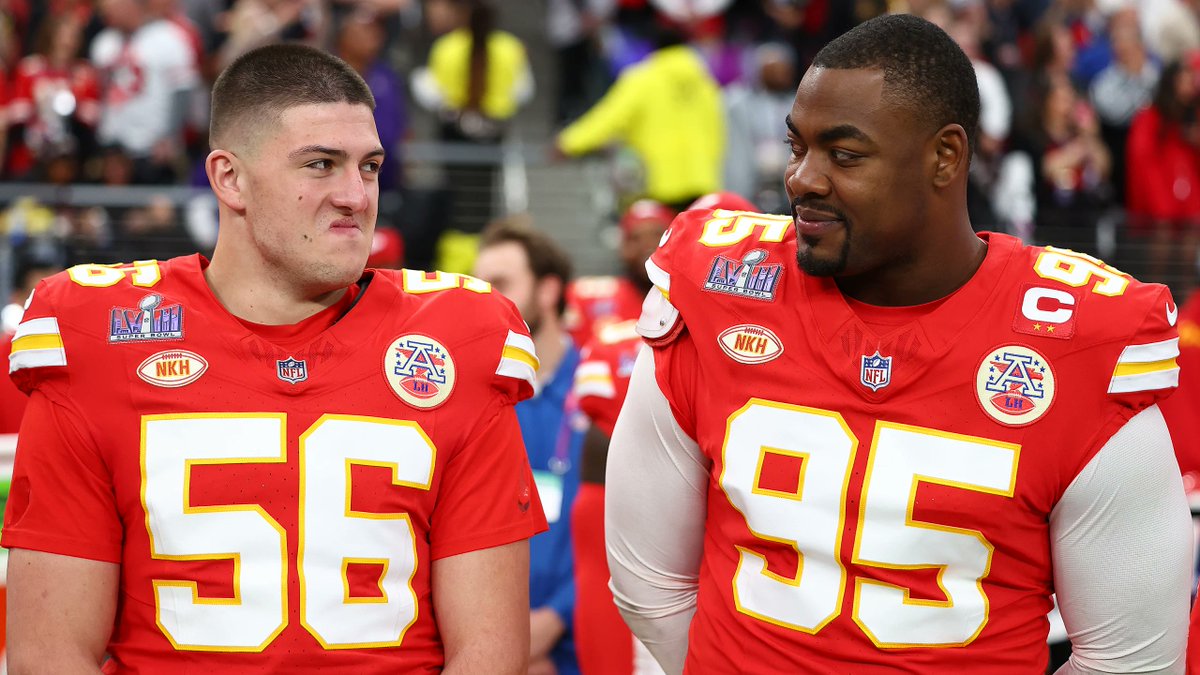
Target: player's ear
(953,155)
(224,175)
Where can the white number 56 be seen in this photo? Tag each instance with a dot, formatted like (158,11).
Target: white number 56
(331,535)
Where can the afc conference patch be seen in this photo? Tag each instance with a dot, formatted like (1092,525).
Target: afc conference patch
(1014,385)
(419,370)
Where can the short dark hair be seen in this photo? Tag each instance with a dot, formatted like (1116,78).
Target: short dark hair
(264,82)
(546,257)
(923,68)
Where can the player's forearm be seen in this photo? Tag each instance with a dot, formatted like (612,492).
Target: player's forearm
(656,484)
(50,661)
(488,657)
(666,636)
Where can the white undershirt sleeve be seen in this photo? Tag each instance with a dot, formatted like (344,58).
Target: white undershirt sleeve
(655,502)
(1121,541)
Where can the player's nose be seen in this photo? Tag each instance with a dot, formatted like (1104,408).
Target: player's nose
(352,193)
(807,176)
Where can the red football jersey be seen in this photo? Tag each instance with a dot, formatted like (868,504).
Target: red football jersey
(880,490)
(1182,409)
(602,378)
(272,509)
(596,302)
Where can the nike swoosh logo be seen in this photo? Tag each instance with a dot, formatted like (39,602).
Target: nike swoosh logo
(1172,313)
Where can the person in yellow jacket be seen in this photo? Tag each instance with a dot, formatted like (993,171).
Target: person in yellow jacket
(476,79)
(667,109)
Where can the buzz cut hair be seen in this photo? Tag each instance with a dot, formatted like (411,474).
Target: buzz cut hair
(924,69)
(261,84)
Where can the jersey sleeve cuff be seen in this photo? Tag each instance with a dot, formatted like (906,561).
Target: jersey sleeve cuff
(16,538)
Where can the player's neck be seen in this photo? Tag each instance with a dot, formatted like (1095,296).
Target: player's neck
(934,276)
(262,299)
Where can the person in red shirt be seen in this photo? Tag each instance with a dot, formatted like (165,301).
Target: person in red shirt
(276,461)
(594,302)
(603,641)
(866,439)
(1163,174)
(55,102)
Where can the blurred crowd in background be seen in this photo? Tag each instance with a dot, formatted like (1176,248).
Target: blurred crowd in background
(1090,137)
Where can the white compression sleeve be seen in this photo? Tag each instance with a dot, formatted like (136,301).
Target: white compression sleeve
(1121,540)
(655,504)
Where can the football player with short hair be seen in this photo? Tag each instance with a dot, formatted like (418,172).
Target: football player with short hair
(272,461)
(869,440)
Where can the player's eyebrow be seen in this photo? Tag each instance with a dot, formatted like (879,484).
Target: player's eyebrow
(832,134)
(842,132)
(331,152)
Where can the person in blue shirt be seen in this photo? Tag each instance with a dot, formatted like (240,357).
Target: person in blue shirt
(530,269)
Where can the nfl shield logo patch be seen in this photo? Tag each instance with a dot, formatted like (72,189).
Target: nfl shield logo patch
(292,371)
(876,371)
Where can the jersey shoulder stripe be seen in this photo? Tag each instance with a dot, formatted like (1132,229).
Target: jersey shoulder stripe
(518,360)
(594,378)
(1145,367)
(37,344)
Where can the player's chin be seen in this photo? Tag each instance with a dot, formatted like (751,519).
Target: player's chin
(819,256)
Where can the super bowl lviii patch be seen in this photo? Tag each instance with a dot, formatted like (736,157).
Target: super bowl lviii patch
(419,370)
(750,277)
(1014,385)
(151,320)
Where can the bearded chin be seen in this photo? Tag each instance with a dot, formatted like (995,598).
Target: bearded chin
(822,267)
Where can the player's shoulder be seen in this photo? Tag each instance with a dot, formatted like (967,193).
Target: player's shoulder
(715,245)
(459,297)
(71,315)
(1086,299)
(466,311)
(89,285)
(1074,306)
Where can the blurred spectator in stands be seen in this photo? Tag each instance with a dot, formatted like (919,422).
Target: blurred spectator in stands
(995,122)
(532,271)
(754,157)
(573,27)
(1071,166)
(596,302)
(668,110)
(1123,88)
(29,270)
(1171,27)
(1163,177)
(360,42)
(807,25)
(476,79)
(15,18)
(148,72)
(1052,58)
(54,104)
(254,23)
